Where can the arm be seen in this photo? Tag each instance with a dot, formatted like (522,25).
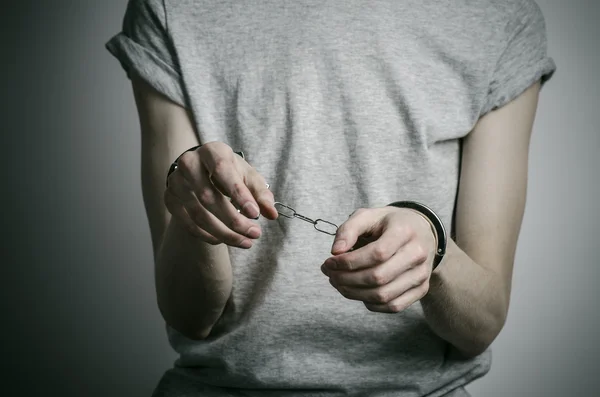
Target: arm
(193,278)
(469,292)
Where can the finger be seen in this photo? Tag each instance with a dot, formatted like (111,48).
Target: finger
(178,211)
(402,302)
(406,258)
(199,195)
(362,241)
(385,294)
(208,221)
(372,254)
(211,199)
(260,191)
(360,223)
(223,233)
(223,171)
(182,192)
(207,196)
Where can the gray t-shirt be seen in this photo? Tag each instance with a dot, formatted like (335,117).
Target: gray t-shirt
(339,104)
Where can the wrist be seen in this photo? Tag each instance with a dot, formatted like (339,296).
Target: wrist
(426,225)
(436,224)
(174,165)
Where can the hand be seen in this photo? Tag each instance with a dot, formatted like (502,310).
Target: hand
(382,257)
(199,195)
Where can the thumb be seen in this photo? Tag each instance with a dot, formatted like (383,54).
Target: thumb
(363,226)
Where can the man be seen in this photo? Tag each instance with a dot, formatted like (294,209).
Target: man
(345,111)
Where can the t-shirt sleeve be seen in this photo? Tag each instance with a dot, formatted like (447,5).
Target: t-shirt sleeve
(144,48)
(524,59)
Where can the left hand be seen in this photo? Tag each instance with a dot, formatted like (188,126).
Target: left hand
(382,257)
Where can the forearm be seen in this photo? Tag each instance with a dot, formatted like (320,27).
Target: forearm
(193,281)
(466,303)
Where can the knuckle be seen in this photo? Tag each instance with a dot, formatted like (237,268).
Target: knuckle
(381,296)
(236,223)
(185,162)
(193,210)
(396,307)
(408,231)
(206,196)
(425,287)
(235,239)
(237,191)
(220,165)
(378,277)
(423,276)
(416,282)
(345,264)
(381,253)
(419,254)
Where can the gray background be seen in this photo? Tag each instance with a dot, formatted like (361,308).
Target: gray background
(79,311)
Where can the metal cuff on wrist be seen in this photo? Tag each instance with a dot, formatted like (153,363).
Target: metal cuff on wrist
(173,166)
(436,222)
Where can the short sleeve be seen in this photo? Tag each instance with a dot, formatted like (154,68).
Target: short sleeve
(524,59)
(144,48)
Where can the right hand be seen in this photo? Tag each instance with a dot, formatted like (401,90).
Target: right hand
(208,187)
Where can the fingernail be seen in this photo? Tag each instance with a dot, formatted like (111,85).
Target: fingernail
(246,244)
(329,265)
(250,210)
(254,232)
(339,245)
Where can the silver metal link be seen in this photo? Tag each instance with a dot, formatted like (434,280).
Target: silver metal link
(320,225)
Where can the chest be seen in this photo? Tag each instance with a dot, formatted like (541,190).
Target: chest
(423,66)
